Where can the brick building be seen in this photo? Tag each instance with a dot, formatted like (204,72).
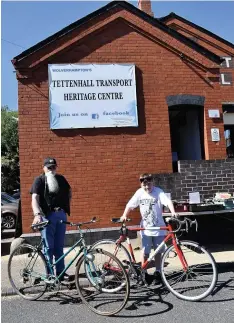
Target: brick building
(182,72)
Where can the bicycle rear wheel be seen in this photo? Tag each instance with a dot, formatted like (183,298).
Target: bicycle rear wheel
(194,281)
(102,282)
(27,271)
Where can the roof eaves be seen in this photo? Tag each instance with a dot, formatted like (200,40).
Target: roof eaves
(64,31)
(174,15)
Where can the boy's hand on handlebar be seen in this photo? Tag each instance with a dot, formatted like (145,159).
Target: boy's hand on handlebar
(123,218)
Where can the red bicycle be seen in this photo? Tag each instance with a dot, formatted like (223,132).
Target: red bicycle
(187,269)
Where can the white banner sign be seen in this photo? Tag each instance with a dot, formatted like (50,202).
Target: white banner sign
(92,95)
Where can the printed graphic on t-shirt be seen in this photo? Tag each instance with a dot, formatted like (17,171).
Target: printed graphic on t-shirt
(148,212)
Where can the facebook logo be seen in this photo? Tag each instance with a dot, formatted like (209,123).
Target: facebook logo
(95,115)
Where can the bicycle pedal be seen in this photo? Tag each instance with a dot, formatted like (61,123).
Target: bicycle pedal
(65,283)
(126,262)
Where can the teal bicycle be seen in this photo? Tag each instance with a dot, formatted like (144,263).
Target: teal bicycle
(103,289)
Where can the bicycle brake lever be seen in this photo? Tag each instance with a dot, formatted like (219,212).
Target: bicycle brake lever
(186,224)
(191,222)
(196,224)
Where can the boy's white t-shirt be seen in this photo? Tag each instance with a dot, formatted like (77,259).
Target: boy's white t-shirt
(150,208)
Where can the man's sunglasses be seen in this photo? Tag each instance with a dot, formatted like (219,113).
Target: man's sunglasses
(146,179)
(52,167)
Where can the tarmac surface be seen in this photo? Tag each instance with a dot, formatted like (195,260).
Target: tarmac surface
(224,257)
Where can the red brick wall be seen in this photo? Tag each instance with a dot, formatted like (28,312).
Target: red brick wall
(103,165)
(212,44)
(223,93)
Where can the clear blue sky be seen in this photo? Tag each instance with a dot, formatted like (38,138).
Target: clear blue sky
(27,23)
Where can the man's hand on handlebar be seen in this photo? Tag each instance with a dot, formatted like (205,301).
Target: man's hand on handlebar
(37,219)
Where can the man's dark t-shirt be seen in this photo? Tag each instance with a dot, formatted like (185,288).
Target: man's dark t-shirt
(49,201)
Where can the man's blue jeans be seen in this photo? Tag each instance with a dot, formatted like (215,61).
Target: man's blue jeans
(54,235)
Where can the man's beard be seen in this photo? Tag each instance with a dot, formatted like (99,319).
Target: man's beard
(52,182)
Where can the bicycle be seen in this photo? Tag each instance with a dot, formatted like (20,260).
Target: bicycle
(103,290)
(188,270)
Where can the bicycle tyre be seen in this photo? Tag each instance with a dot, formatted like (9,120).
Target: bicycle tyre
(207,270)
(24,255)
(96,290)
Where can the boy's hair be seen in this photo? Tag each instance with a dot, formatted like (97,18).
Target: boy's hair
(146,177)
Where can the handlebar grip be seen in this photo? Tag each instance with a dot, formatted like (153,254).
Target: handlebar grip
(117,220)
(65,222)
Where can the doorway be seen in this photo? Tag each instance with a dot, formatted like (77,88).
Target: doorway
(228,120)
(187,133)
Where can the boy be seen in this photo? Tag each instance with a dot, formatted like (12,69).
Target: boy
(150,199)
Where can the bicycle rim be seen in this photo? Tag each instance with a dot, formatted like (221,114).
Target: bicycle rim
(26,270)
(195,282)
(102,282)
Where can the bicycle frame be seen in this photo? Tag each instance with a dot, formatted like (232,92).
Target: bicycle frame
(169,236)
(81,243)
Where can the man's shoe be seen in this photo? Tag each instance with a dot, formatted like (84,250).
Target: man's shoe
(65,277)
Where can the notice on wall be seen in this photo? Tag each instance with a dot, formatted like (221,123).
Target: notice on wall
(214,113)
(215,134)
(194,198)
(92,96)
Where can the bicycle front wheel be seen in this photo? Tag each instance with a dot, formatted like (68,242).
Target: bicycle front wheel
(102,282)
(189,271)
(27,271)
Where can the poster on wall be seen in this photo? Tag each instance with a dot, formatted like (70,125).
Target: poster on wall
(92,96)
(215,134)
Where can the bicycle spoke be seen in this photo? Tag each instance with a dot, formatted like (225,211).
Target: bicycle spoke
(26,269)
(200,276)
(102,284)
(179,279)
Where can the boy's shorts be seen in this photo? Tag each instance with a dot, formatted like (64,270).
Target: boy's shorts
(148,242)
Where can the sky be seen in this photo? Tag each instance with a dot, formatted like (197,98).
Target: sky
(23,24)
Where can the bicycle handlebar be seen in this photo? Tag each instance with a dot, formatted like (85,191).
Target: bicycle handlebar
(40,225)
(117,220)
(93,220)
(186,221)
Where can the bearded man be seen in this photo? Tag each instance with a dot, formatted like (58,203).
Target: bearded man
(51,195)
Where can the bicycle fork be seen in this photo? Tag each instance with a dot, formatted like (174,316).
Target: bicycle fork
(180,253)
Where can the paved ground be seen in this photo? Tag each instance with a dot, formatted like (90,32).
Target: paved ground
(145,305)
(221,257)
